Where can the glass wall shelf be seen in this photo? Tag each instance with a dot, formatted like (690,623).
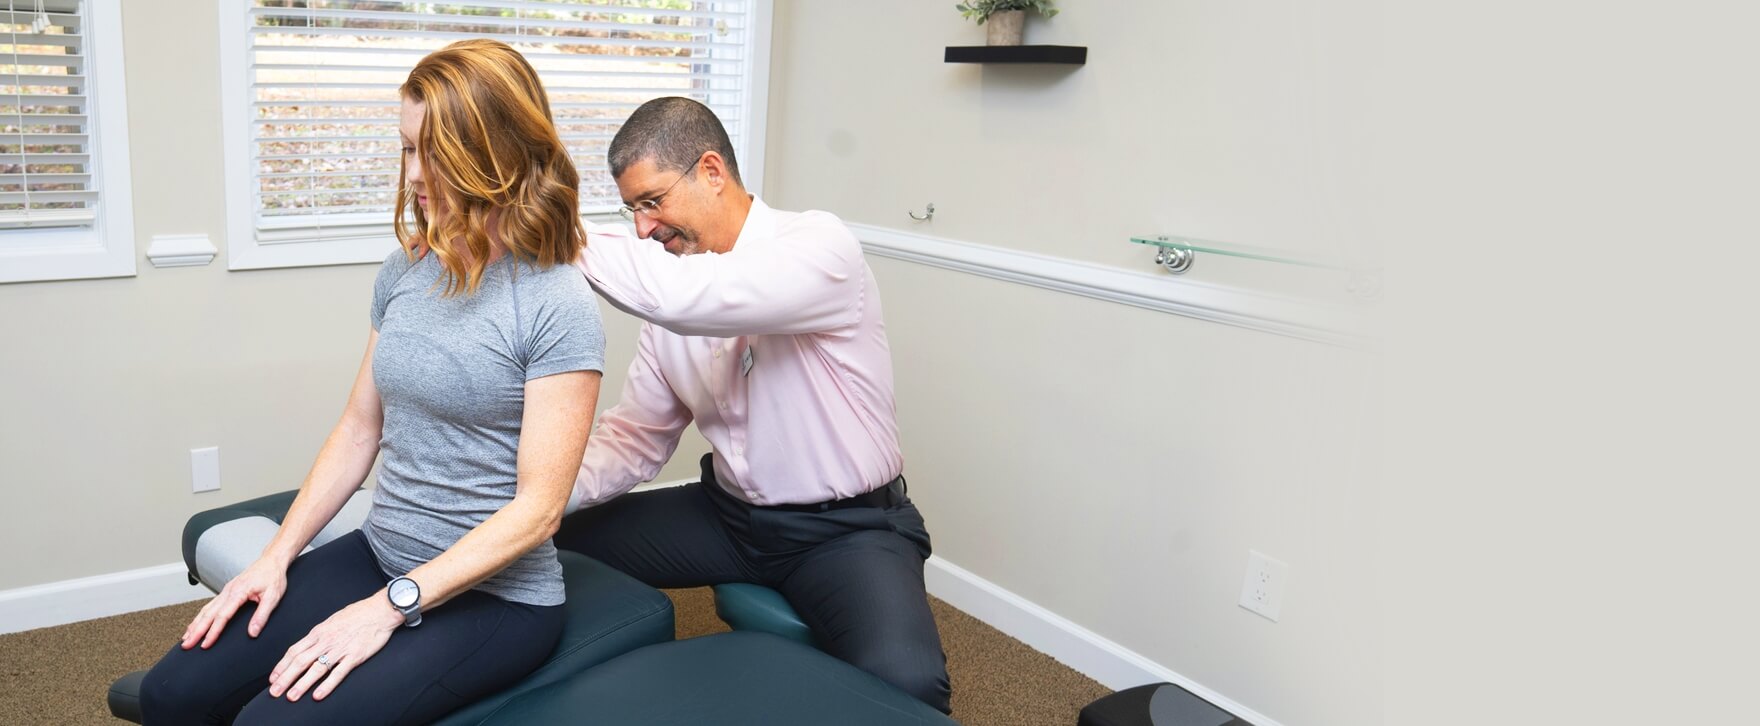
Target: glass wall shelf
(1178,251)
(1175,254)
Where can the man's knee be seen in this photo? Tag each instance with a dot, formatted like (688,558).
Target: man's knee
(915,671)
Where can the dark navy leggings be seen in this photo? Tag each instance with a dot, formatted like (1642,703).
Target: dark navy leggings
(472,646)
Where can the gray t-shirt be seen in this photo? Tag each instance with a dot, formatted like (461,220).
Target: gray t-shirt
(451,374)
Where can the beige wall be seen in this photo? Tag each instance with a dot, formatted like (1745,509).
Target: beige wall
(1571,479)
(1111,464)
(1115,465)
(1238,122)
(109,383)
(1562,191)
(1556,523)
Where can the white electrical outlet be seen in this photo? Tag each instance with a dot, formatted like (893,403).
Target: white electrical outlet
(1262,591)
(204,469)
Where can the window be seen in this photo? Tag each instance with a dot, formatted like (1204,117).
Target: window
(311,101)
(64,197)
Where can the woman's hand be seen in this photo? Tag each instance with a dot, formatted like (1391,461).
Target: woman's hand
(263,583)
(345,640)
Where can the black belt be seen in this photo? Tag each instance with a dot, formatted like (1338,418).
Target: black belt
(879,499)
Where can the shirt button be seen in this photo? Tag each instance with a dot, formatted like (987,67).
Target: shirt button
(722,406)
(717,352)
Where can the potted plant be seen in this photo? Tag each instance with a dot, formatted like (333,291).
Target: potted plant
(1005,16)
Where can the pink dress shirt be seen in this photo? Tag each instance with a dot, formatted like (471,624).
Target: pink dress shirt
(776,348)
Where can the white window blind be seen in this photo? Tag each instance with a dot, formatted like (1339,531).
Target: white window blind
(323,104)
(46,150)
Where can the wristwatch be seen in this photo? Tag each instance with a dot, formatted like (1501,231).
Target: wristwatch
(406,596)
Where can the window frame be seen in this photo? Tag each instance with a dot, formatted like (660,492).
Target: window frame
(107,247)
(371,243)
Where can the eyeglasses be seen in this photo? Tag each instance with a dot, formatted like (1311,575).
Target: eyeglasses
(651,205)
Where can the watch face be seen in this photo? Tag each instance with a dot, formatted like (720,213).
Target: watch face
(403,592)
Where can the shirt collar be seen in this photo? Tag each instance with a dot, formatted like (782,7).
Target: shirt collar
(760,223)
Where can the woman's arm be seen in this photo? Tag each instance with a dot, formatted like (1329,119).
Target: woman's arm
(341,467)
(553,434)
(343,463)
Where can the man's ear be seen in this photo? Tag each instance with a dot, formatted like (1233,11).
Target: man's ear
(715,169)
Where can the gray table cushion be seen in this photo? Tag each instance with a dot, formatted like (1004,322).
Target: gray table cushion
(229,539)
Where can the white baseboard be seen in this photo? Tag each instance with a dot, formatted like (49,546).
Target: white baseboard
(1113,665)
(70,601)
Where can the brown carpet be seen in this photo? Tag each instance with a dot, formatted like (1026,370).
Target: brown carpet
(60,675)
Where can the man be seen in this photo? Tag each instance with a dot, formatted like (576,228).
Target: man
(764,327)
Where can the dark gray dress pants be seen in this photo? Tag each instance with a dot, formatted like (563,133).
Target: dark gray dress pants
(855,575)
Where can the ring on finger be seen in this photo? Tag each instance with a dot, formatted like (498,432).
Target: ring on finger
(324,660)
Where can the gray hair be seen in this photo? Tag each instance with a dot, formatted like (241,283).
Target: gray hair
(673,132)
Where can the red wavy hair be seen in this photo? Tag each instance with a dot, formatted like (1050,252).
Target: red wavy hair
(488,143)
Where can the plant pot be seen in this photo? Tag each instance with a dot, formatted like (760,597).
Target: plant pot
(1004,28)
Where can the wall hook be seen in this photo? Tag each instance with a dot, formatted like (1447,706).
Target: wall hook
(928,213)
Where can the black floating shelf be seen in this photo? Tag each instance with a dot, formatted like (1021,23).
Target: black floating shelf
(1066,54)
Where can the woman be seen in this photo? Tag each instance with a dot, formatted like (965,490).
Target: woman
(478,387)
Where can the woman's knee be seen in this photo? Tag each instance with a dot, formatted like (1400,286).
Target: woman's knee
(267,709)
(171,693)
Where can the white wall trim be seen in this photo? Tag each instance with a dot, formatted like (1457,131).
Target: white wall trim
(1113,665)
(244,251)
(181,250)
(757,90)
(1306,319)
(70,601)
(251,248)
(106,248)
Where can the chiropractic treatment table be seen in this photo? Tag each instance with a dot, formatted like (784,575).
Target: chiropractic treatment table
(617,661)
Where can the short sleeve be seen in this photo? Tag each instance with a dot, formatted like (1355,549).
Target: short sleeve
(390,272)
(565,332)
